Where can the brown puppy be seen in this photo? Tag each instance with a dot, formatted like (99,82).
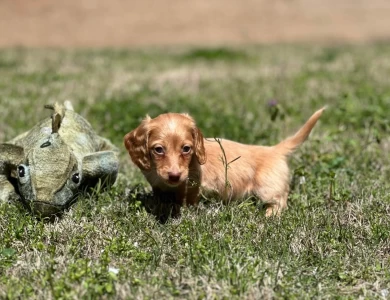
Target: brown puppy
(171,152)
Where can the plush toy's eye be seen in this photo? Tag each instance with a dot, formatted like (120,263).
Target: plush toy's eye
(21,171)
(23,174)
(76,178)
(45,144)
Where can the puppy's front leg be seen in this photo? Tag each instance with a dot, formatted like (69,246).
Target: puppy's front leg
(188,193)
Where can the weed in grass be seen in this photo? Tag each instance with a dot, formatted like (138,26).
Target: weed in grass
(226,166)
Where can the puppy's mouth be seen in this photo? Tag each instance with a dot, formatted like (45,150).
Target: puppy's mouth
(174,183)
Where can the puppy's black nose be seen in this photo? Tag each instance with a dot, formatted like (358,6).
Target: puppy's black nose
(174,176)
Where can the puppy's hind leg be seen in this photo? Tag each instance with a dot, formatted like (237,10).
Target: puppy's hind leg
(273,190)
(276,205)
(272,187)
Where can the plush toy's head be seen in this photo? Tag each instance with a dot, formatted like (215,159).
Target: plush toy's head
(48,176)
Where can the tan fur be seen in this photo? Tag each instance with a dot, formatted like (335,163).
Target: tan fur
(261,171)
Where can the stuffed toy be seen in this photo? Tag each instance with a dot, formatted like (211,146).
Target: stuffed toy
(48,166)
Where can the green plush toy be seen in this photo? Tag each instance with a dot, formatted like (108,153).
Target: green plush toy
(48,166)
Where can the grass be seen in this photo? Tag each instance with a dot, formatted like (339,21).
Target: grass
(332,242)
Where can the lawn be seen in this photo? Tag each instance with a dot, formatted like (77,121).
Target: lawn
(333,241)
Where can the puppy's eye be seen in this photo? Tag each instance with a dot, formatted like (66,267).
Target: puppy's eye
(159,150)
(186,149)
(76,178)
(21,171)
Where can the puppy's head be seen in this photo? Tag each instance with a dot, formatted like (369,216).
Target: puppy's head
(165,146)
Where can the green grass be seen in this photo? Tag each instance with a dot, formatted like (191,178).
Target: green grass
(332,242)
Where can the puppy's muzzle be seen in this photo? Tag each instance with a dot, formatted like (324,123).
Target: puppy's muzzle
(174,177)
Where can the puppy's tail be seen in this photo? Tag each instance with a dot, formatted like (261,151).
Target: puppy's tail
(288,145)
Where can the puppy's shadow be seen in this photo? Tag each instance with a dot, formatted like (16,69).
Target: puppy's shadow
(162,205)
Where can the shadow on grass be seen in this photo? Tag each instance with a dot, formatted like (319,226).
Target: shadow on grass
(162,206)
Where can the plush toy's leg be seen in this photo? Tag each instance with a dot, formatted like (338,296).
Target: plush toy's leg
(7,190)
(102,165)
(106,145)
(10,156)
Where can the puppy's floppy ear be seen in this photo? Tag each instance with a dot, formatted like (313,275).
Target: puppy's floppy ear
(136,143)
(200,151)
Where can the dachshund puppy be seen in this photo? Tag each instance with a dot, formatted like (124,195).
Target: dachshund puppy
(175,158)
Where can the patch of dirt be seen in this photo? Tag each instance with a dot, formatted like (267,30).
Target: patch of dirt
(91,23)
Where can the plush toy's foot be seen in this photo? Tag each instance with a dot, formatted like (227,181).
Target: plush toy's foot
(7,192)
